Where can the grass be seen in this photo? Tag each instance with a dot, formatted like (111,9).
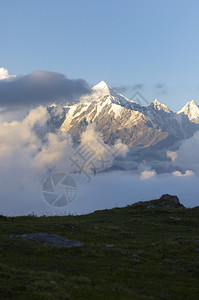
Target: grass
(153,257)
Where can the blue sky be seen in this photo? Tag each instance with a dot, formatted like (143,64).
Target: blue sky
(153,43)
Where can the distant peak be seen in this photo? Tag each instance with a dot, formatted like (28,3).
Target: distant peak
(159,106)
(191,109)
(191,103)
(101,85)
(156,102)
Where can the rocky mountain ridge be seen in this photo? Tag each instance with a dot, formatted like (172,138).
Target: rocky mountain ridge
(118,117)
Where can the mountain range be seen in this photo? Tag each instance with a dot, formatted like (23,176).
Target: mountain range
(146,129)
(119,117)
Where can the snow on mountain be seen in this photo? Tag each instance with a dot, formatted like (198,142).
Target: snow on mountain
(101,86)
(101,96)
(117,117)
(191,109)
(159,106)
(102,89)
(164,117)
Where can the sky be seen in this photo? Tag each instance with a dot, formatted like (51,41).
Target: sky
(146,45)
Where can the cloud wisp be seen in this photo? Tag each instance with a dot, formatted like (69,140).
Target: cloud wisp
(161,88)
(125,88)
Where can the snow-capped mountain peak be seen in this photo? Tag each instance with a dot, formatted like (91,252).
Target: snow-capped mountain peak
(97,92)
(102,88)
(191,105)
(103,92)
(119,117)
(159,106)
(156,102)
(101,85)
(191,109)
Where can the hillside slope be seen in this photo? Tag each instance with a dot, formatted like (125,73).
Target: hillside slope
(149,250)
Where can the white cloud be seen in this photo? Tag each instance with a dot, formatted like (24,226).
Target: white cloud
(4,74)
(55,152)
(188,158)
(103,154)
(172,155)
(147,174)
(22,147)
(187,173)
(36,116)
(27,156)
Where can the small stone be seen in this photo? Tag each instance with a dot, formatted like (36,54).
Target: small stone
(175,219)
(110,245)
(151,206)
(50,239)
(135,260)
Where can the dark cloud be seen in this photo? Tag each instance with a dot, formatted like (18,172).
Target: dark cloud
(161,88)
(125,88)
(41,87)
(121,88)
(137,86)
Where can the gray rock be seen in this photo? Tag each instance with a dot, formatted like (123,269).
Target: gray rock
(170,201)
(175,219)
(135,260)
(173,198)
(50,239)
(151,206)
(110,245)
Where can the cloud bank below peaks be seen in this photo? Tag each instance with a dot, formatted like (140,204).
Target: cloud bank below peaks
(26,156)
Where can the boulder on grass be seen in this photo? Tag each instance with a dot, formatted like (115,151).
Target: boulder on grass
(170,201)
